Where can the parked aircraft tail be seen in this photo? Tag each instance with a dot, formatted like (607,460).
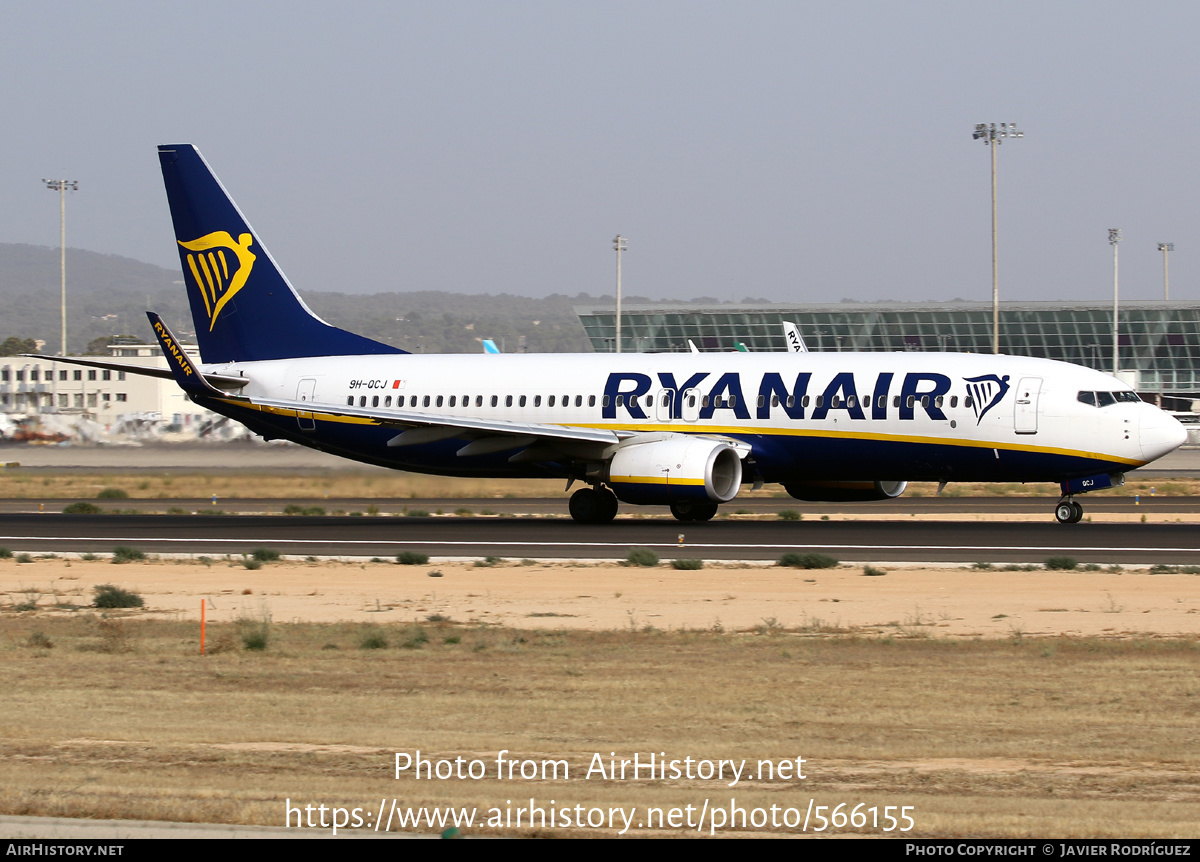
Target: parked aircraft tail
(242,304)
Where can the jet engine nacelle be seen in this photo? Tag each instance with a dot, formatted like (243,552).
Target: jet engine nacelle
(675,469)
(844,492)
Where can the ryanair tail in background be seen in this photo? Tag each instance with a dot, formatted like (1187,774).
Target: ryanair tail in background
(242,304)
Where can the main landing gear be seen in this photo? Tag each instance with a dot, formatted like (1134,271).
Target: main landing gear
(596,505)
(1068,511)
(693,511)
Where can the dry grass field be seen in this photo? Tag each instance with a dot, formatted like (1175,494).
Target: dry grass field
(44,483)
(952,691)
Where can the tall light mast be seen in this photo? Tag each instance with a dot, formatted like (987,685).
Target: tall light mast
(62,187)
(993,137)
(1114,239)
(1166,248)
(619,243)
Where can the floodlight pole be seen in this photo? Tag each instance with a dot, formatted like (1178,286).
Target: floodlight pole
(993,137)
(1166,248)
(62,186)
(619,244)
(1114,239)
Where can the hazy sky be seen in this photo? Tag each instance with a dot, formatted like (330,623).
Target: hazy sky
(788,150)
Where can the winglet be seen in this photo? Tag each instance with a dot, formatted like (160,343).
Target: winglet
(186,374)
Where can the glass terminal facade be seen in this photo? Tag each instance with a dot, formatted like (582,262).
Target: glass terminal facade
(1159,342)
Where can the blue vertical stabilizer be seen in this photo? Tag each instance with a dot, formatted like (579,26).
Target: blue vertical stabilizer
(242,304)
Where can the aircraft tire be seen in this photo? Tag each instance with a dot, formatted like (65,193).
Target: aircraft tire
(608,505)
(682,511)
(1078,516)
(591,506)
(693,511)
(1064,512)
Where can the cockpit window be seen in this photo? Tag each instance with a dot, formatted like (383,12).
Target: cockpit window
(1104,399)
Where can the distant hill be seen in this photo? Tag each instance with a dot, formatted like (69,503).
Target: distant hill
(109,295)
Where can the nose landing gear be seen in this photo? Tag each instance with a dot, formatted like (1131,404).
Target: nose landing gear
(1068,511)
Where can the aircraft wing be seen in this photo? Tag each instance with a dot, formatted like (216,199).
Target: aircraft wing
(487,435)
(220,381)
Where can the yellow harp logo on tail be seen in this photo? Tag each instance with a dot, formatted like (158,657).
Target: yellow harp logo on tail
(220,265)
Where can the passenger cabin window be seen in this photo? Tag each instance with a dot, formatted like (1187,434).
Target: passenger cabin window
(591,400)
(508,401)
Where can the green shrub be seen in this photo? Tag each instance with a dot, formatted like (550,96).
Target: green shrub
(109,596)
(416,638)
(126,554)
(251,563)
(265,555)
(790,515)
(487,562)
(412,558)
(296,509)
(5,554)
(416,513)
(81,508)
(808,561)
(641,557)
(373,641)
(687,565)
(112,494)
(256,639)
(872,572)
(1061,564)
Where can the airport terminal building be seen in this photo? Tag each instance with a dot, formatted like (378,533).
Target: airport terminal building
(1158,341)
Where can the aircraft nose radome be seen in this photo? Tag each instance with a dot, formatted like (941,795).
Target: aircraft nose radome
(1159,434)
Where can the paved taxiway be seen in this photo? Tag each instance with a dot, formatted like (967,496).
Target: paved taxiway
(560,538)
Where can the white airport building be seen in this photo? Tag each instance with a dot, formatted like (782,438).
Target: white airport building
(36,387)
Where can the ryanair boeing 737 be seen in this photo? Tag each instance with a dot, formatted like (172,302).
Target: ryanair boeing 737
(684,430)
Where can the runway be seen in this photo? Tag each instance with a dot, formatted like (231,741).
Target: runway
(560,538)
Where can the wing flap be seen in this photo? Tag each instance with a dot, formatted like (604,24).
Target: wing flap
(468,426)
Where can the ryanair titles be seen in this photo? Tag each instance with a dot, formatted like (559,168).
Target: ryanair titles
(888,395)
